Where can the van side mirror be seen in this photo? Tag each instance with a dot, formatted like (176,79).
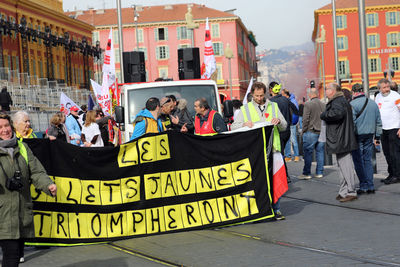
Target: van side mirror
(228,108)
(119,114)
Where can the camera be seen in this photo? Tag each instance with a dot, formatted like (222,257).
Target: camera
(14,183)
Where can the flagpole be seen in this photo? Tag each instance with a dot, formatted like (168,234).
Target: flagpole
(120,41)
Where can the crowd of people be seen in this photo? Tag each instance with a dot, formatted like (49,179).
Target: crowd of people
(349,125)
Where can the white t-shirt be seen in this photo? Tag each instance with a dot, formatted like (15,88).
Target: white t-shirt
(389,108)
(91,131)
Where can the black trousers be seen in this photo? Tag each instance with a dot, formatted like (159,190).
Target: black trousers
(11,251)
(391,150)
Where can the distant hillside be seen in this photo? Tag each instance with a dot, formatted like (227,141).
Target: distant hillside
(293,66)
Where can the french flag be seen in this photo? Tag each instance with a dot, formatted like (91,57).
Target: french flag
(279,179)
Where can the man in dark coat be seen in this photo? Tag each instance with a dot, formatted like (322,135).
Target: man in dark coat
(341,139)
(5,99)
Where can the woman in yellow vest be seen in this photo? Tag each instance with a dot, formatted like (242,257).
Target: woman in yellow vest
(22,124)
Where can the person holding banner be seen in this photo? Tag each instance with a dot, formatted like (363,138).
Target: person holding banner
(261,109)
(147,120)
(73,126)
(18,169)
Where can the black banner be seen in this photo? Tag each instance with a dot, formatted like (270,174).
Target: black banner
(159,183)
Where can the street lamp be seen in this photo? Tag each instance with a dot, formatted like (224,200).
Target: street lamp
(229,55)
(135,18)
(320,41)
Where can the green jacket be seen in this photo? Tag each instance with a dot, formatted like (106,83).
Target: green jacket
(16,206)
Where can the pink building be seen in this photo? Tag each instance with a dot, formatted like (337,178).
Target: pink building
(161,31)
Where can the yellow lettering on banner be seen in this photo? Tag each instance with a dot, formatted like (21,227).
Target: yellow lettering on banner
(204,180)
(241,171)
(223,176)
(162,147)
(116,225)
(173,217)
(130,189)
(191,214)
(91,192)
(155,220)
(68,190)
(42,223)
(97,225)
(147,149)
(37,195)
(247,203)
(152,185)
(60,225)
(128,155)
(78,225)
(228,209)
(136,222)
(209,211)
(186,182)
(110,192)
(168,184)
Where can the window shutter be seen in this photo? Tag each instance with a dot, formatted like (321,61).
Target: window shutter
(398,17)
(347,70)
(221,46)
(369,65)
(156,34)
(344,21)
(376,20)
(378,42)
(387,18)
(388,40)
(379,67)
(346,43)
(398,38)
(166,52)
(178,32)
(189,34)
(166,33)
(157,53)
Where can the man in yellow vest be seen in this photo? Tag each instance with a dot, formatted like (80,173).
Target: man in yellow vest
(261,109)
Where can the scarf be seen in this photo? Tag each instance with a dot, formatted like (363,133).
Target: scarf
(9,145)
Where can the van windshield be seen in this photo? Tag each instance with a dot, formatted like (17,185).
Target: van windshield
(137,97)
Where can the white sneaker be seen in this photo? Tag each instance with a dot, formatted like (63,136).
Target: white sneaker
(21,260)
(318,175)
(304,177)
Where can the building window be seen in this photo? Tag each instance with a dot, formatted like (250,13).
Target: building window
(183,46)
(219,73)
(374,64)
(240,50)
(163,72)
(373,41)
(393,39)
(183,33)
(342,43)
(341,22)
(115,37)
(162,52)
(161,34)
(218,49)
(116,54)
(372,19)
(344,69)
(140,35)
(95,37)
(394,63)
(392,18)
(215,30)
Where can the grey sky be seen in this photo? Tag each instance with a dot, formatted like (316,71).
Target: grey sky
(276,23)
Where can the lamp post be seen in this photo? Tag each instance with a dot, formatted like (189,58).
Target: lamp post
(97,55)
(85,53)
(49,54)
(135,18)
(321,40)
(229,55)
(335,41)
(2,32)
(363,45)
(24,45)
(67,49)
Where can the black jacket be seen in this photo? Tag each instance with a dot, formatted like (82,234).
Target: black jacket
(286,107)
(5,99)
(340,136)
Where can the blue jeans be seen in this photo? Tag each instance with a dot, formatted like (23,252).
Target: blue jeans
(293,140)
(362,158)
(277,206)
(310,142)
